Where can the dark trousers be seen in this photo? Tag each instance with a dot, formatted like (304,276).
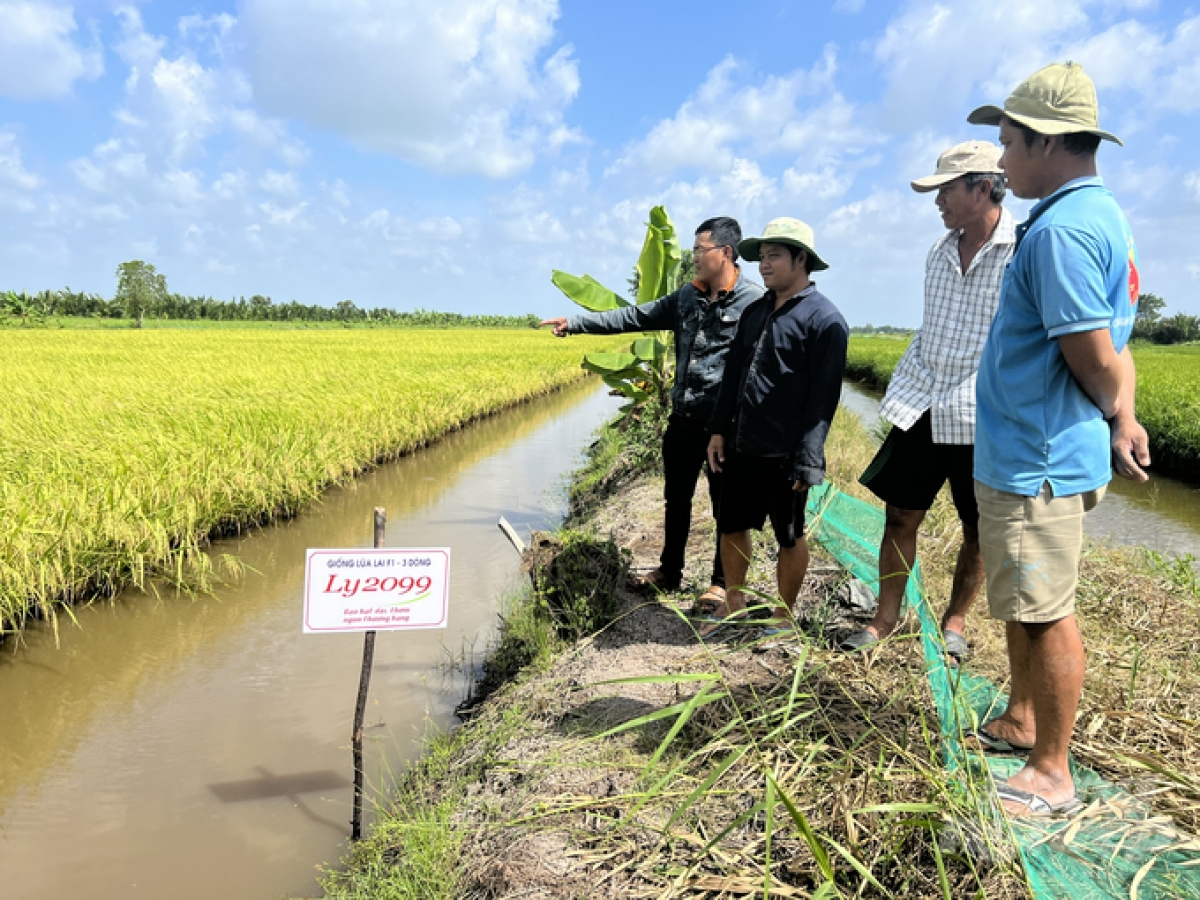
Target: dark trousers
(685,447)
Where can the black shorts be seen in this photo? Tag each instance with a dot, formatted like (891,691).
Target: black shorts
(755,488)
(910,469)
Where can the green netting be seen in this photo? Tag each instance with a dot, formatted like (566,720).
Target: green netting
(1115,848)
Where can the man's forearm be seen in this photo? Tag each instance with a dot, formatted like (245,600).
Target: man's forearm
(1096,367)
(1126,397)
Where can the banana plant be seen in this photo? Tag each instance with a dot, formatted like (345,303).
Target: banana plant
(643,372)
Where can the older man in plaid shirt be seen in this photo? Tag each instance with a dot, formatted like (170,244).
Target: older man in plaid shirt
(930,401)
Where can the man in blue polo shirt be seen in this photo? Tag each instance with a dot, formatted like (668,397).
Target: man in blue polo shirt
(1055,412)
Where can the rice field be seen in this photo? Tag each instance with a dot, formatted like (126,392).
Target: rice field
(1168,396)
(124,452)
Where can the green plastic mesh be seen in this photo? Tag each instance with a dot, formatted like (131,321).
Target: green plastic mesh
(1116,848)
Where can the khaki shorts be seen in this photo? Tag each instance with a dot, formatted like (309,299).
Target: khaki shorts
(1031,548)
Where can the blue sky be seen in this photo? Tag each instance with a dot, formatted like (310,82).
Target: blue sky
(449,155)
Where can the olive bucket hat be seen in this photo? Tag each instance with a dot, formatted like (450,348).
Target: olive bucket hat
(1059,99)
(967,158)
(788,231)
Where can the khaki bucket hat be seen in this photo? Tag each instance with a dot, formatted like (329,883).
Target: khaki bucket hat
(967,158)
(1059,99)
(784,230)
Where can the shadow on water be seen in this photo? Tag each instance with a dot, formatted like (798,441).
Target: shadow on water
(200,748)
(1162,514)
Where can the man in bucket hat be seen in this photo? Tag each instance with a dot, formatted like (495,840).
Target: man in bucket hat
(1055,415)
(930,400)
(782,382)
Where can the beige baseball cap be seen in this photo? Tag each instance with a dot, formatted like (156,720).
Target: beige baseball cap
(1059,99)
(969,157)
(784,230)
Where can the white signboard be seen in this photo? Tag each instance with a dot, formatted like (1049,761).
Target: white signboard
(376,590)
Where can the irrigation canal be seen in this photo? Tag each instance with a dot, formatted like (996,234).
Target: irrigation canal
(172,749)
(179,750)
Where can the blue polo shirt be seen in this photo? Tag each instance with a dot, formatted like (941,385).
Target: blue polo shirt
(1075,269)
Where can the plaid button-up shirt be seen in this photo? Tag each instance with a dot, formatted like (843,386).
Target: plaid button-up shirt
(938,370)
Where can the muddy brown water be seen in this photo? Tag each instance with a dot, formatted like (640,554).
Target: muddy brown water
(1163,514)
(172,748)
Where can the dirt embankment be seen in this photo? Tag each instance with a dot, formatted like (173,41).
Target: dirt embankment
(640,761)
(610,785)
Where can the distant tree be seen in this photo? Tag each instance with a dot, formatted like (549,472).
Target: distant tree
(1149,314)
(1178,329)
(346,310)
(139,287)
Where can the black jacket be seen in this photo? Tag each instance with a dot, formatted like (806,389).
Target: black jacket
(703,327)
(783,380)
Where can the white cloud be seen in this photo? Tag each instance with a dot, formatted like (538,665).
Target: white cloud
(17,183)
(1192,182)
(284,215)
(455,85)
(13,173)
(937,52)
(729,120)
(39,59)
(281,183)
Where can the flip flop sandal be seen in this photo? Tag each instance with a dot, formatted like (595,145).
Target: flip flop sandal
(1037,804)
(956,645)
(652,580)
(860,640)
(994,743)
(709,602)
(778,631)
(714,624)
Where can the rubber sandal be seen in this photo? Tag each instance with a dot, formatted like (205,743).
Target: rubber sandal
(780,630)
(709,626)
(710,601)
(956,645)
(994,743)
(653,580)
(1037,804)
(860,640)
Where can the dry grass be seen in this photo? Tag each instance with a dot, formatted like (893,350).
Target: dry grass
(646,764)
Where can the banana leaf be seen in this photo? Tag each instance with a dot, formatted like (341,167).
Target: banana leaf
(650,266)
(587,292)
(646,348)
(672,253)
(611,363)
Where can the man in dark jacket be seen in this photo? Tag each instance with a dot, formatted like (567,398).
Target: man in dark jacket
(704,316)
(782,383)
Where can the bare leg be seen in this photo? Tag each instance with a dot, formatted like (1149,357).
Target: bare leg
(968,578)
(1016,724)
(1056,667)
(897,556)
(736,551)
(789,574)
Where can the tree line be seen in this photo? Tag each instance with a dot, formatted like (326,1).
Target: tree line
(142,293)
(1151,325)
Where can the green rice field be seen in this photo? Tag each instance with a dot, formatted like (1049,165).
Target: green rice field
(124,451)
(1168,395)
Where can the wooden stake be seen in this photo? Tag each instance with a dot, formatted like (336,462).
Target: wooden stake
(360,708)
(511,534)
